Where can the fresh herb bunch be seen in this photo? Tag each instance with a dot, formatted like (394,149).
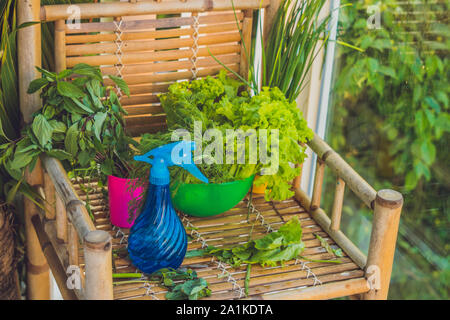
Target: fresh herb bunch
(182,283)
(274,248)
(224,103)
(81,122)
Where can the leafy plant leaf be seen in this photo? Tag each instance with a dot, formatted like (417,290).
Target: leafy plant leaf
(121,84)
(37,84)
(69,90)
(71,141)
(42,129)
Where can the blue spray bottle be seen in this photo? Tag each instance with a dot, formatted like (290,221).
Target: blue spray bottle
(157,238)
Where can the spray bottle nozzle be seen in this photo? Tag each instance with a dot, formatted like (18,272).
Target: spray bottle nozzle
(177,153)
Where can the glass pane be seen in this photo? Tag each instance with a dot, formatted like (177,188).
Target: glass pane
(390,120)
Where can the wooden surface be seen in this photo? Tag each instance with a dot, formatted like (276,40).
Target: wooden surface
(230,229)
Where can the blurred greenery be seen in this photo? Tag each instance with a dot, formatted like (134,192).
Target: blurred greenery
(390,120)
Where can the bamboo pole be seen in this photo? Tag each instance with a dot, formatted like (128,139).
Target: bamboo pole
(29,56)
(326,291)
(97,255)
(61,221)
(60,45)
(386,218)
(246,43)
(130,46)
(342,169)
(49,192)
(49,251)
(72,245)
(143,110)
(171,66)
(116,9)
(336,211)
(318,182)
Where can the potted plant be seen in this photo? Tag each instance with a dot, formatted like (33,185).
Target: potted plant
(220,105)
(80,123)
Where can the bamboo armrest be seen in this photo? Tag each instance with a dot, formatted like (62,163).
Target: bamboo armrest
(97,243)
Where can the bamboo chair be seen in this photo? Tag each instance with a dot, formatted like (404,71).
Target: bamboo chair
(150,54)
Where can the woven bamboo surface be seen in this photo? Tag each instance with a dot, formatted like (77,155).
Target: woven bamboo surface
(230,229)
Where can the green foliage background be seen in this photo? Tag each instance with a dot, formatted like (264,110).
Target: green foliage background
(390,119)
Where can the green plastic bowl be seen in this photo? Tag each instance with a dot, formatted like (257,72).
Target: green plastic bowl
(205,200)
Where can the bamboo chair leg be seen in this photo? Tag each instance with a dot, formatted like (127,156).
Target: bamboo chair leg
(29,56)
(98,260)
(38,276)
(52,257)
(388,207)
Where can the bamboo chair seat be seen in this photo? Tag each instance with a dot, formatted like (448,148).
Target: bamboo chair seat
(295,279)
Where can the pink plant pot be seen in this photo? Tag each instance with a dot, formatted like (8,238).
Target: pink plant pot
(119,196)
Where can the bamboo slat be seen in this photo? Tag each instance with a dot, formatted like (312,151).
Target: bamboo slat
(327,291)
(153,56)
(146,24)
(145,35)
(117,9)
(170,76)
(149,45)
(171,65)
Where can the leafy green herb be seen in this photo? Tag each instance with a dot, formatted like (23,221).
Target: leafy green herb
(80,123)
(276,247)
(324,243)
(223,103)
(191,289)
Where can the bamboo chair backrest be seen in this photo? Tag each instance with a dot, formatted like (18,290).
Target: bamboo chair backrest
(152,51)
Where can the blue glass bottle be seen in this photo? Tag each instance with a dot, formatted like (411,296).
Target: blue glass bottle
(157,238)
